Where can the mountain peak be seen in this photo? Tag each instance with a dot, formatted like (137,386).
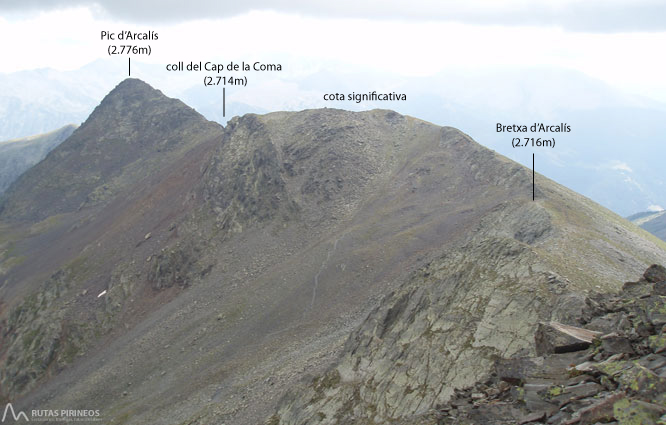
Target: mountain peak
(133,124)
(133,93)
(134,87)
(134,83)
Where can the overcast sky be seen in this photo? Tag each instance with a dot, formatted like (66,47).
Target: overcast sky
(577,15)
(619,42)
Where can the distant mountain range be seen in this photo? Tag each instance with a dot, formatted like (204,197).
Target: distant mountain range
(611,155)
(652,221)
(314,267)
(18,155)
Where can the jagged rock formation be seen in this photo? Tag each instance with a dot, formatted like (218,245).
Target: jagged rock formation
(620,378)
(208,269)
(16,156)
(653,222)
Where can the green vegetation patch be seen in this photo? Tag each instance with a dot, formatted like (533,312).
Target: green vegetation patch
(635,412)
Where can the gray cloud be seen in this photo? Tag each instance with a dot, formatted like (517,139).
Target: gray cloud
(574,15)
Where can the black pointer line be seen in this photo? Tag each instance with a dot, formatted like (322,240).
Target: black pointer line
(129,67)
(224,102)
(533,176)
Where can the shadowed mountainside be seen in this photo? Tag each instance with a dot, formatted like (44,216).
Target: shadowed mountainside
(653,222)
(237,261)
(18,155)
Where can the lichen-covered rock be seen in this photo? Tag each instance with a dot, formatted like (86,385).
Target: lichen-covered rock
(637,412)
(628,387)
(447,326)
(37,338)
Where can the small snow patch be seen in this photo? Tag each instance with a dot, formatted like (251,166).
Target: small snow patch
(102,293)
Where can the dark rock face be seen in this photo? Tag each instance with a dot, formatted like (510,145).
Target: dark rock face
(660,288)
(173,266)
(620,378)
(656,273)
(243,183)
(33,339)
(555,337)
(617,344)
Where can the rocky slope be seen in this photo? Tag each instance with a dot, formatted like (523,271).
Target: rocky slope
(17,155)
(164,269)
(446,325)
(653,222)
(60,206)
(611,371)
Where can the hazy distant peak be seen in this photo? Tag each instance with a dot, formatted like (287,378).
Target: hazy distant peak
(18,155)
(60,130)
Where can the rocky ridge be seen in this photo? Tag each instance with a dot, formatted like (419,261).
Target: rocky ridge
(210,269)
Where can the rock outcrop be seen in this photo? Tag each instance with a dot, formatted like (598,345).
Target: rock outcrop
(620,378)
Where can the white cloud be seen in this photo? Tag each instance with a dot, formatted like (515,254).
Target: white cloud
(620,166)
(655,208)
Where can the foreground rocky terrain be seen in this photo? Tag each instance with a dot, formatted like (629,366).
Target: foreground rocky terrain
(610,368)
(320,266)
(412,352)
